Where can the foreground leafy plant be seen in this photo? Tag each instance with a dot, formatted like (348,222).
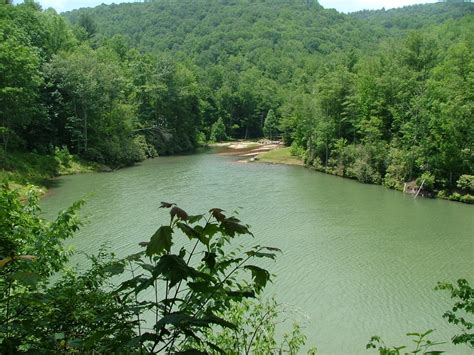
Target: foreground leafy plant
(31,251)
(463,293)
(192,284)
(256,331)
(177,291)
(422,345)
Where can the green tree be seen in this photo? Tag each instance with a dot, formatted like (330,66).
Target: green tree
(19,86)
(218,131)
(88,24)
(270,127)
(93,106)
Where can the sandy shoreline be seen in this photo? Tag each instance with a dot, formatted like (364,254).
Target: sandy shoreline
(264,151)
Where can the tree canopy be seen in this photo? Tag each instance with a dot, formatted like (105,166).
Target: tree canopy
(379,96)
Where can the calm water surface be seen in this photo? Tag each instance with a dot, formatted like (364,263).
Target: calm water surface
(358,260)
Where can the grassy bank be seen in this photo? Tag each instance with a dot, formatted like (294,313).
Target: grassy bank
(280,156)
(21,169)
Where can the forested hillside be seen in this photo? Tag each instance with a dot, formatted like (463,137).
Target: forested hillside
(379,96)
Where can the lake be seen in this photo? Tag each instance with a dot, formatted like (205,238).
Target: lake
(358,260)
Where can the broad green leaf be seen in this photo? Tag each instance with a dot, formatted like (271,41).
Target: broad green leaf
(220,321)
(223,265)
(210,230)
(136,256)
(194,219)
(144,285)
(259,275)
(148,267)
(160,241)
(169,301)
(272,249)
(180,320)
(202,287)
(115,268)
(192,233)
(210,260)
(258,254)
(174,269)
(130,284)
(152,337)
(241,294)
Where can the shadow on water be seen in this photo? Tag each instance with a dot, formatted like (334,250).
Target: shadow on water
(52,183)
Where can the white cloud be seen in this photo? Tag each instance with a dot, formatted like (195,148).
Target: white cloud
(356,5)
(340,5)
(59,5)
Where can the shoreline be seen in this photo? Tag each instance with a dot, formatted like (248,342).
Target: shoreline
(262,151)
(275,152)
(22,170)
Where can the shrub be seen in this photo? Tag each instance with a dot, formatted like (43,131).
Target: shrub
(255,334)
(422,345)
(466,183)
(147,150)
(467,198)
(63,157)
(456,196)
(297,150)
(93,154)
(365,165)
(462,311)
(428,181)
(397,169)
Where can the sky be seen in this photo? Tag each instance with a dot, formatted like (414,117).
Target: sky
(340,5)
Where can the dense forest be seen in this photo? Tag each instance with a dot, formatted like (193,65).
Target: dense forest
(382,97)
(378,96)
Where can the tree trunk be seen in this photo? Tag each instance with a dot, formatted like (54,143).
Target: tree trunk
(5,135)
(327,156)
(85,128)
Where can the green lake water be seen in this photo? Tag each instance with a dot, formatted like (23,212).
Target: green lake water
(358,260)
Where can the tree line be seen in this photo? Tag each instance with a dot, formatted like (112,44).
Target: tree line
(378,96)
(107,103)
